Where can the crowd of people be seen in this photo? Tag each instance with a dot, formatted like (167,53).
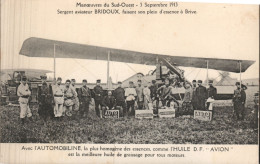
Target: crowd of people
(58,101)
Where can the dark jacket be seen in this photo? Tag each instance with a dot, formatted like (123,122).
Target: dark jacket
(153,90)
(201,92)
(212,92)
(239,96)
(119,94)
(98,93)
(84,94)
(45,95)
(109,102)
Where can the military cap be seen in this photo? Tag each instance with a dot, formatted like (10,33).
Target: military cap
(130,82)
(199,81)
(153,81)
(119,82)
(84,80)
(194,81)
(98,81)
(68,81)
(210,81)
(24,78)
(73,80)
(237,83)
(59,78)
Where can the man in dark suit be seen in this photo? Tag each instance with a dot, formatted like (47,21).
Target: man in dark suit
(201,93)
(98,96)
(211,92)
(239,100)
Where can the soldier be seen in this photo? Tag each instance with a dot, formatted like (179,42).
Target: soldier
(211,93)
(147,97)
(153,88)
(75,107)
(109,102)
(239,99)
(45,98)
(194,102)
(119,94)
(98,96)
(130,94)
(201,93)
(84,98)
(140,94)
(165,93)
(58,93)
(24,93)
(69,95)
(186,105)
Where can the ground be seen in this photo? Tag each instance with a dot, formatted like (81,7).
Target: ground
(223,129)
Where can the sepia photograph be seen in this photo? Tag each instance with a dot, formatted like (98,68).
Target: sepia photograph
(129,72)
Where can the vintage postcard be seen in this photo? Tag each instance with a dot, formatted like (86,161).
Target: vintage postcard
(129,81)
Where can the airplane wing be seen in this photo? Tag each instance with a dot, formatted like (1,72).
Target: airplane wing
(38,47)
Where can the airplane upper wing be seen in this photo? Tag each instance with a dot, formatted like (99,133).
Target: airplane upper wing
(38,47)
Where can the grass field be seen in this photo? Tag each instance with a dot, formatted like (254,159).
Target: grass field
(221,130)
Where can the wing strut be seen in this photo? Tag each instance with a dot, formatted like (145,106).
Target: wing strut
(108,59)
(207,72)
(54,60)
(240,65)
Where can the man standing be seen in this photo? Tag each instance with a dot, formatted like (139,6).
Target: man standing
(45,98)
(130,94)
(201,93)
(24,93)
(211,93)
(84,98)
(98,96)
(69,96)
(140,94)
(186,105)
(58,93)
(194,99)
(239,99)
(76,99)
(153,88)
(119,94)
(148,105)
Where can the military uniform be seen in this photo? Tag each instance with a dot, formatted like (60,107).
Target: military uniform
(24,93)
(58,93)
(147,98)
(140,96)
(201,93)
(45,98)
(84,99)
(130,94)
(119,94)
(165,94)
(186,105)
(98,96)
(239,99)
(76,99)
(194,96)
(69,95)
(153,88)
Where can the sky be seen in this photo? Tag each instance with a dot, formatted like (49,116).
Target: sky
(226,31)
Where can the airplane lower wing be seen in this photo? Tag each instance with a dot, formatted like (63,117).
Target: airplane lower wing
(38,47)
